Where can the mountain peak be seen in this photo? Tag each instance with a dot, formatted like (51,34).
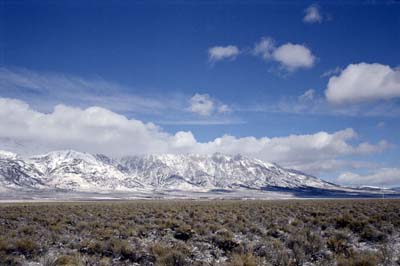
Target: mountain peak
(66,155)
(8,155)
(79,171)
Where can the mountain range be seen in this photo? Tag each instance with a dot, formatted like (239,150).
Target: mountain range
(69,170)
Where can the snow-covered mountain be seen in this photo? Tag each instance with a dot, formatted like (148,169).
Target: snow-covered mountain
(76,171)
(215,171)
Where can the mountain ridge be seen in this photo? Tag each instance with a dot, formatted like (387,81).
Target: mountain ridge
(80,171)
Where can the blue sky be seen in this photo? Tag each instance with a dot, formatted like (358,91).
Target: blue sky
(154,63)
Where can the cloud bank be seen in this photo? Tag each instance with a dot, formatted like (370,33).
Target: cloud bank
(98,130)
(383,177)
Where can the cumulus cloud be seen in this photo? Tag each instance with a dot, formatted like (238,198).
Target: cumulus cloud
(98,130)
(93,129)
(290,56)
(204,105)
(218,53)
(386,177)
(294,56)
(363,82)
(312,15)
(201,104)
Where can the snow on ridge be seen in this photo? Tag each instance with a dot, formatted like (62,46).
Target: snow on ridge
(8,155)
(79,171)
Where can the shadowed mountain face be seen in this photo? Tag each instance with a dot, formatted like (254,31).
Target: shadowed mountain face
(76,171)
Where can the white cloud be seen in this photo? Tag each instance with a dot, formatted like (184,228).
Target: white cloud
(312,15)
(201,122)
(44,90)
(218,53)
(308,95)
(290,56)
(201,104)
(386,177)
(381,124)
(204,105)
(94,129)
(98,130)
(294,56)
(364,82)
(320,106)
(224,109)
(318,167)
(331,72)
(264,48)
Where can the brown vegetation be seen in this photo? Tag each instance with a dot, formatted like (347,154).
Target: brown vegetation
(245,233)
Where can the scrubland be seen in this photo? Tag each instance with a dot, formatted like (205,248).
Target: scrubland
(239,233)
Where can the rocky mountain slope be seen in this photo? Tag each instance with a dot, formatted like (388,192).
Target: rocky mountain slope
(76,171)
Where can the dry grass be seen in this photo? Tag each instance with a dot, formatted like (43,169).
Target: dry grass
(320,232)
